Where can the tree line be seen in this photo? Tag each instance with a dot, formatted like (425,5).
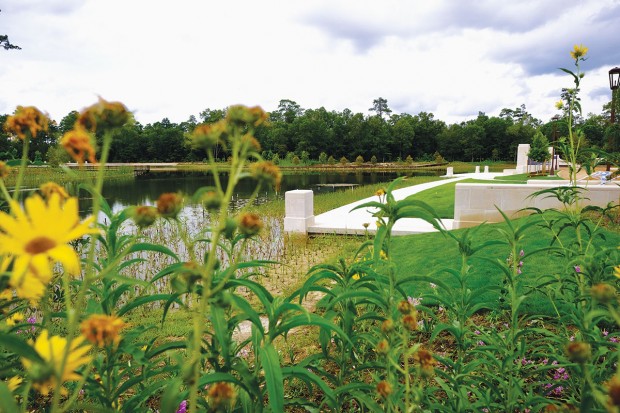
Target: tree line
(308,133)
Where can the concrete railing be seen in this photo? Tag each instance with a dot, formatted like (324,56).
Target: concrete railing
(476,203)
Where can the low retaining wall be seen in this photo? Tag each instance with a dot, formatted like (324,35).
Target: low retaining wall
(476,203)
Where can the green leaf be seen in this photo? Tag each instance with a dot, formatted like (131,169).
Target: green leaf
(307,376)
(309,319)
(146,246)
(7,401)
(172,345)
(142,300)
(19,347)
(171,399)
(273,376)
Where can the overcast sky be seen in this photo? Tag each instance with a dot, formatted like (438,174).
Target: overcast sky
(176,58)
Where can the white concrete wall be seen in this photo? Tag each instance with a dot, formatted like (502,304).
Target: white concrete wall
(476,203)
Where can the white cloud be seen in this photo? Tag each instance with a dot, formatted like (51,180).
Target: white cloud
(173,60)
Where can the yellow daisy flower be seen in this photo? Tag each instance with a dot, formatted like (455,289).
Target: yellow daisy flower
(52,349)
(37,236)
(14,382)
(579,51)
(14,319)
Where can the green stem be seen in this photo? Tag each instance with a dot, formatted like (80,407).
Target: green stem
(22,166)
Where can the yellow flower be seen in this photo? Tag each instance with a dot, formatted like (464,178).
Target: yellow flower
(383,255)
(355,276)
(52,350)
(101,329)
(380,192)
(37,237)
(617,271)
(26,119)
(78,143)
(16,318)
(579,51)
(559,105)
(6,295)
(14,382)
(49,188)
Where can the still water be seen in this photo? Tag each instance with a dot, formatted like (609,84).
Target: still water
(146,189)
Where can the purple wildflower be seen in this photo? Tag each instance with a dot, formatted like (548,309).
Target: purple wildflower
(182,407)
(577,268)
(521,253)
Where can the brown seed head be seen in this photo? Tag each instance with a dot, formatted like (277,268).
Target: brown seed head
(212,201)
(426,361)
(207,136)
(243,116)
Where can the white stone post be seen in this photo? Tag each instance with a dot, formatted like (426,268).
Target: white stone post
(450,171)
(299,210)
(477,169)
(522,151)
(486,169)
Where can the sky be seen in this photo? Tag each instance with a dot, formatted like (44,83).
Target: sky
(173,59)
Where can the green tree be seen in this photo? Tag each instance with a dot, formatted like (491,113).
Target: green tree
(322,158)
(331,160)
(359,160)
(380,107)
(539,149)
(6,44)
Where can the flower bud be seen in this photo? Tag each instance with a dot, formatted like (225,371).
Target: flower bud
(578,352)
(250,224)
(103,116)
(613,390)
(405,307)
(221,394)
(5,170)
(212,201)
(603,293)
(410,321)
(384,389)
(26,119)
(383,347)
(169,204)
(387,326)
(144,215)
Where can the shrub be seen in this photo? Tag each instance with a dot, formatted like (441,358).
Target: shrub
(275,159)
(409,159)
(359,160)
(438,158)
(295,160)
(322,158)
(331,160)
(344,160)
(373,160)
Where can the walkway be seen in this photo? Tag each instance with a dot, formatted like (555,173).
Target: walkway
(344,221)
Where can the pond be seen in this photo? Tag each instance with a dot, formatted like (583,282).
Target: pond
(146,189)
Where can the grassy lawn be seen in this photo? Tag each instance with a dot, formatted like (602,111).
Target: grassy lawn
(428,254)
(441,198)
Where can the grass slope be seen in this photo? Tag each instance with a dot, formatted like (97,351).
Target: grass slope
(428,254)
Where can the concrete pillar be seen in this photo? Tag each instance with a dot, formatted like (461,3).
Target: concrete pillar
(522,151)
(450,171)
(477,169)
(486,169)
(299,210)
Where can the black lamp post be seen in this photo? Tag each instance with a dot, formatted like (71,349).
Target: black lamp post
(554,135)
(614,83)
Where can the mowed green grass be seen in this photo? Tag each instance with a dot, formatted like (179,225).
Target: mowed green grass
(428,254)
(441,198)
